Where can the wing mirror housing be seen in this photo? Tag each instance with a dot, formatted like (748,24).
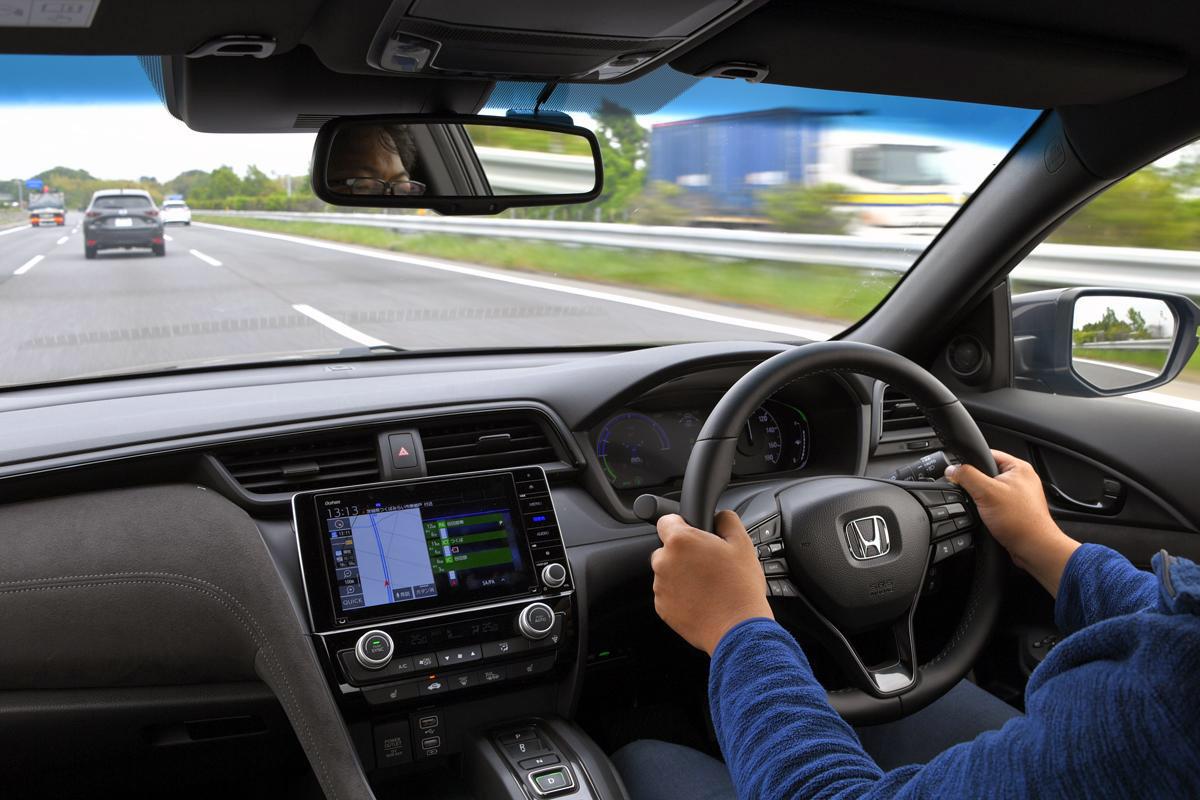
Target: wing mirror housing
(1100,342)
(455,164)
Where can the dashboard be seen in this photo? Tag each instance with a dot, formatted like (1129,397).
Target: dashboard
(650,448)
(329,512)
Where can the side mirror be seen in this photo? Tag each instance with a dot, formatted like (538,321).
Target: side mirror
(454,164)
(1098,342)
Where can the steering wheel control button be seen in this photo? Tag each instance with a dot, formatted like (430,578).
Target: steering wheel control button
(939,513)
(374,649)
(782,587)
(765,531)
(775,567)
(961,542)
(535,620)
(554,575)
(931,497)
(944,528)
(942,551)
(956,509)
(553,781)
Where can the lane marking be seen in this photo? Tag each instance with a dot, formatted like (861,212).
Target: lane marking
(339,327)
(612,297)
(168,237)
(7,231)
(62,239)
(28,265)
(74,231)
(207,259)
(1163,399)
(1114,365)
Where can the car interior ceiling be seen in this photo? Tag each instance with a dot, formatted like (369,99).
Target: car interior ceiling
(1116,90)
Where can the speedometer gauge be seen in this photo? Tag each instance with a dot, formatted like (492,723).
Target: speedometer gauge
(773,439)
(634,451)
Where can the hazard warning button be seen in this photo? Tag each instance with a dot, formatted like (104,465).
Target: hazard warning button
(404,450)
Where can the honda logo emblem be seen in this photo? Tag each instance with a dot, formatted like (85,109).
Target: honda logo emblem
(868,538)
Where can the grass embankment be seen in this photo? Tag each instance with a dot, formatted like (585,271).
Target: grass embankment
(813,291)
(1150,360)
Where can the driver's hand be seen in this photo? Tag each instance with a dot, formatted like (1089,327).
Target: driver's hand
(1013,507)
(704,584)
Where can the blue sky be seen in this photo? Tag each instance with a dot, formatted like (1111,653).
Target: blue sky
(41,98)
(73,79)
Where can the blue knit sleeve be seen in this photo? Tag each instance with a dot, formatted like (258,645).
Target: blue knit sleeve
(1094,727)
(1099,583)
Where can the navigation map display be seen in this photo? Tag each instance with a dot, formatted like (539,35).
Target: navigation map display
(429,543)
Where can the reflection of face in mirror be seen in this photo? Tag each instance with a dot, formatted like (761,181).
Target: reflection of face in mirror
(1120,341)
(373,159)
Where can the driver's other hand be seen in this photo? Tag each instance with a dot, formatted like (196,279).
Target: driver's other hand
(1012,505)
(705,584)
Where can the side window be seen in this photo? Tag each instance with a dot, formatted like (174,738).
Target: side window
(1106,306)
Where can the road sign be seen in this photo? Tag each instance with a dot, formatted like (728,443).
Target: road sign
(34,184)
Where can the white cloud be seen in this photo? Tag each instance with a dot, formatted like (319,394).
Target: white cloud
(128,141)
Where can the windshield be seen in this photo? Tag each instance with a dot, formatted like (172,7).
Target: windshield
(902,164)
(121,201)
(730,210)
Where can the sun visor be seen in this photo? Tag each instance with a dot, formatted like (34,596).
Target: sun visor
(295,91)
(861,47)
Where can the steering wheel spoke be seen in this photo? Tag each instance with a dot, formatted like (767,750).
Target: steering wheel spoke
(852,553)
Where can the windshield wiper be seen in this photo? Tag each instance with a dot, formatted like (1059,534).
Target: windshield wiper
(365,350)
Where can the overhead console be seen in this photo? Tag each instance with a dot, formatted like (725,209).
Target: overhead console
(544,39)
(427,593)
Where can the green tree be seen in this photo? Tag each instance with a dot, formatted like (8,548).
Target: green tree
(662,203)
(1143,210)
(257,183)
(806,209)
(623,145)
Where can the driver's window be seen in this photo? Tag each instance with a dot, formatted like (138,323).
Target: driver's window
(1143,233)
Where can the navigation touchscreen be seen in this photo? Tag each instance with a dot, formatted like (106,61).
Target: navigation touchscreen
(412,546)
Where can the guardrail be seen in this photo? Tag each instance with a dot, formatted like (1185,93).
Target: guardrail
(1129,344)
(1048,264)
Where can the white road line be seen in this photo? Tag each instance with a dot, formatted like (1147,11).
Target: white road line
(62,239)
(74,230)
(339,327)
(1112,365)
(168,238)
(207,259)
(611,297)
(28,265)
(7,231)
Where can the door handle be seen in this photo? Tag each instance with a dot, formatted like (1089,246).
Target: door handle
(1109,503)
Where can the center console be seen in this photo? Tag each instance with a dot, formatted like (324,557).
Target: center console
(443,608)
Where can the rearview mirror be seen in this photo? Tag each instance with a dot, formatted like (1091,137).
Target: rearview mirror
(1101,342)
(454,164)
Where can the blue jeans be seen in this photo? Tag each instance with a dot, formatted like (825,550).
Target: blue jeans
(654,770)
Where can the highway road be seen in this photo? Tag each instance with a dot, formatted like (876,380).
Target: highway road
(223,293)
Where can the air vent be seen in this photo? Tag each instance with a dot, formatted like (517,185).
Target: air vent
(314,462)
(494,441)
(311,121)
(899,414)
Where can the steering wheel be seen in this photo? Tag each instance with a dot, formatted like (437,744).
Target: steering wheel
(855,550)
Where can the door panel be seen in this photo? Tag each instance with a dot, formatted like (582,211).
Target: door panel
(1152,452)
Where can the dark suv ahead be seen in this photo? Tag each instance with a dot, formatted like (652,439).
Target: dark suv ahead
(122,218)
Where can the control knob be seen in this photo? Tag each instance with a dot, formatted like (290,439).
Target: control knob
(554,575)
(374,649)
(536,621)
